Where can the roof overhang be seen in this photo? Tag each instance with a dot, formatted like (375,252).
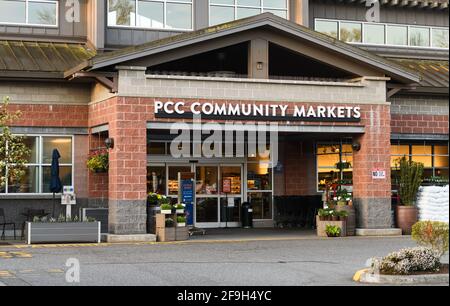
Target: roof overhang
(262,21)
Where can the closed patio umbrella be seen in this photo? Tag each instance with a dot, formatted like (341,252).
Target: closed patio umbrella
(55,182)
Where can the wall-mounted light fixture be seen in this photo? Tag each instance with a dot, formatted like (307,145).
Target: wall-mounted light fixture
(109,143)
(356,146)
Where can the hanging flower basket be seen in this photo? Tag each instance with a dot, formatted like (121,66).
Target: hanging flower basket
(98,161)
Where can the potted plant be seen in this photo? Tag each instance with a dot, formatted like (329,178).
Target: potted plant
(153,198)
(334,215)
(169,222)
(181,221)
(98,161)
(333,231)
(410,179)
(342,215)
(343,196)
(323,214)
(343,165)
(166,208)
(179,208)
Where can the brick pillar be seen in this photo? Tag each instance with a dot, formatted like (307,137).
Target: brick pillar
(372,197)
(127,167)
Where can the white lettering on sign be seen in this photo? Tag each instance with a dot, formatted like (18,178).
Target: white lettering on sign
(258,110)
(378,174)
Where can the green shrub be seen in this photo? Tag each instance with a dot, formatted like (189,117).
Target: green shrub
(410,179)
(407,261)
(181,219)
(432,234)
(333,230)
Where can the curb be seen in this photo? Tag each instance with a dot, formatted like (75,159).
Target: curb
(363,276)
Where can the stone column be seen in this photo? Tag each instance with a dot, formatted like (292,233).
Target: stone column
(127,167)
(372,197)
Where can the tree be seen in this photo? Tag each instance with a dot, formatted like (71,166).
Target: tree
(13,151)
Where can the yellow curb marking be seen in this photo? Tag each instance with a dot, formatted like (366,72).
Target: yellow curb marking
(358,274)
(55,271)
(9,255)
(6,274)
(26,271)
(21,254)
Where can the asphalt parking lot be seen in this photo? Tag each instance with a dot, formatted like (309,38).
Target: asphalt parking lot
(226,262)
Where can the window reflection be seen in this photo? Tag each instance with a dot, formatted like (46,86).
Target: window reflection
(329,28)
(62,144)
(397,35)
(156,179)
(419,36)
(350,32)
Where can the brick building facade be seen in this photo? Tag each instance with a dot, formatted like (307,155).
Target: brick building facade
(105,90)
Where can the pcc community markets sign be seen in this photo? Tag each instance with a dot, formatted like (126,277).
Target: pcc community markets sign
(254,111)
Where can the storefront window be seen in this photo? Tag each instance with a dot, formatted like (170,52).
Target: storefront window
(157,14)
(207,180)
(334,164)
(206,210)
(233,174)
(156,179)
(259,176)
(37,172)
(261,204)
(29,183)
(173,178)
(65,174)
(433,156)
(422,154)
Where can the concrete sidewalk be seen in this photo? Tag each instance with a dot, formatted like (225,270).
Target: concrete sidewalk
(242,234)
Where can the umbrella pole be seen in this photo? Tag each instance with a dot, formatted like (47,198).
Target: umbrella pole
(53,212)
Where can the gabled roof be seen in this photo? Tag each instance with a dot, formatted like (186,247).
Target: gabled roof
(40,59)
(266,20)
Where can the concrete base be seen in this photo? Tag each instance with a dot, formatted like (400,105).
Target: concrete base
(111,238)
(366,277)
(378,232)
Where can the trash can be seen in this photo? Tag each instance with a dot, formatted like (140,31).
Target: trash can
(247,215)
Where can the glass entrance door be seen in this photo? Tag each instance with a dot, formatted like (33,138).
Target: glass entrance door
(214,208)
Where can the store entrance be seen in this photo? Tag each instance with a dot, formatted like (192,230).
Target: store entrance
(213,207)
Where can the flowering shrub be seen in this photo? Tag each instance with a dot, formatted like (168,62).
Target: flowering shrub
(98,161)
(432,234)
(407,261)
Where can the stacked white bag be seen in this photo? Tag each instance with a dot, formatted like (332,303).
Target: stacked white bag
(432,202)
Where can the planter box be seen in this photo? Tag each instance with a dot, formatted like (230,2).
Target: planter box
(166,211)
(165,234)
(181,224)
(180,211)
(322,225)
(181,233)
(63,232)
